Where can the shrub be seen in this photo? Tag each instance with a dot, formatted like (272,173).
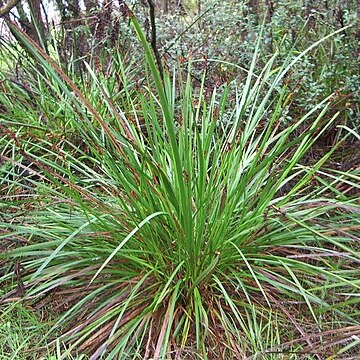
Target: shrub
(165,231)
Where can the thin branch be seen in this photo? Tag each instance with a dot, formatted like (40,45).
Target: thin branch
(4,11)
(153,37)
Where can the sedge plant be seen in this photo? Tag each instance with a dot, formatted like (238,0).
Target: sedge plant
(179,224)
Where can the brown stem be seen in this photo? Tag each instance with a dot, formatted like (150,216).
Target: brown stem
(153,37)
(5,9)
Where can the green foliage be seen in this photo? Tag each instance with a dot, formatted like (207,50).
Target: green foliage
(20,329)
(227,31)
(160,219)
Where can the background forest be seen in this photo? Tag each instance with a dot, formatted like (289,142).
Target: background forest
(179,179)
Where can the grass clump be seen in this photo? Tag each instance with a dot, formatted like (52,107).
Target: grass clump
(20,330)
(159,230)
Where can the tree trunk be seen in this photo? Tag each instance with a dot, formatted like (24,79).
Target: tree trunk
(38,23)
(269,15)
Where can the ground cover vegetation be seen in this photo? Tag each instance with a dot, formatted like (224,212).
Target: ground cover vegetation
(179,181)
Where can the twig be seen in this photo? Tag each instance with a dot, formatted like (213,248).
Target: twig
(153,37)
(4,10)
